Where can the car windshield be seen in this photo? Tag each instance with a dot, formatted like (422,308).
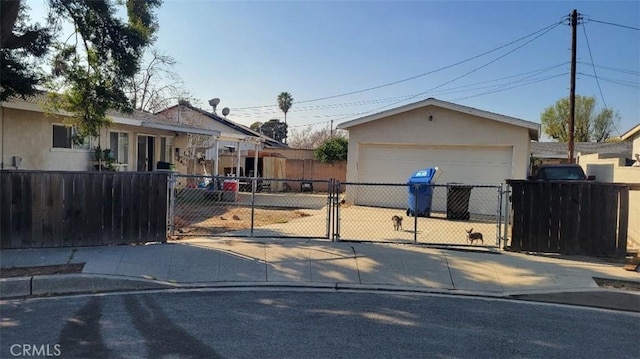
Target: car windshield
(563,173)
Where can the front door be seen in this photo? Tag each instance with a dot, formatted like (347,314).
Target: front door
(146,153)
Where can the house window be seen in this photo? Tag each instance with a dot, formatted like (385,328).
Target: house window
(67,137)
(119,143)
(166,149)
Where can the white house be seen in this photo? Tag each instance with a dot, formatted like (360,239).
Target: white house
(469,145)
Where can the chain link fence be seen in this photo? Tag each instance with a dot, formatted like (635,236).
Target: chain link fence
(248,207)
(454,214)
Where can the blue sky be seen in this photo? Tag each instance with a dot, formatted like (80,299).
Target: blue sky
(246,53)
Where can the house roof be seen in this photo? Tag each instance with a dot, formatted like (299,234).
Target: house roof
(136,118)
(268,141)
(560,149)
(534,128)
(634,130)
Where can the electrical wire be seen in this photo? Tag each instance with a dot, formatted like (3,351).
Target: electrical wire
(470,72)
(545,30)
(595,74)
(614,24)
(396,98)
(615,69)
(616,81)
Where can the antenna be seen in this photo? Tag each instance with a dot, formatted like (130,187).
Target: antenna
(214,103)
(225,111)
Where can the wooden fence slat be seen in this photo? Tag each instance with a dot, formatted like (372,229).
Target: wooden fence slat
(130,214)
(55,208)
(6,199)
(107,208)
(117,210)
(37,211)
(518,212)
(623,223)
(555,206)
(585,226)
(68,227)
(609,221)
(16,211)
(144,209)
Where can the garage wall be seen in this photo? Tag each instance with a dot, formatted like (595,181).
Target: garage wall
(447,128)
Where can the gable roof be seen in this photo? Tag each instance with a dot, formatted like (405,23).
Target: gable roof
(560,149)
(634,130)
(534,128)
(268,141)
(136,118)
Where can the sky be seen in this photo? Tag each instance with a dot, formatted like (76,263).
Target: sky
(247,52)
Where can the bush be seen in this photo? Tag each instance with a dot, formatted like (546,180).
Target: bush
(332,150)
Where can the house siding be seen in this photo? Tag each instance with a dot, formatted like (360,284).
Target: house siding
(445,129)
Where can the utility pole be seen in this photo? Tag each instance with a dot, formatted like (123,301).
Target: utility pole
(331,130)
(572,88)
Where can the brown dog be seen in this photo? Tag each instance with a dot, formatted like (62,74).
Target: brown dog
(397,223)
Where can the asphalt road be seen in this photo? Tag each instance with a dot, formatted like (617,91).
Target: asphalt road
(270,324)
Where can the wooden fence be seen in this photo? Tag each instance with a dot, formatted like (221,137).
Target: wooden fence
(585,218)
(69,209)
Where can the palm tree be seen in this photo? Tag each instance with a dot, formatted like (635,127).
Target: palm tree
(285,101)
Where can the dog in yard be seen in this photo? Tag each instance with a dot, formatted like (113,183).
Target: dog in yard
(474,236)
(397,223)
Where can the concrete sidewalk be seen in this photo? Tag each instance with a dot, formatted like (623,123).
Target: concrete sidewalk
(223,262)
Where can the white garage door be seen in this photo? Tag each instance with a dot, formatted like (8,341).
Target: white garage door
(463,164)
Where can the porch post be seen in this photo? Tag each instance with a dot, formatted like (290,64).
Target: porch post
(238,164)
(216,159)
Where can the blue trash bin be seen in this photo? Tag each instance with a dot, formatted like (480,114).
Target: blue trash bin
(419,200)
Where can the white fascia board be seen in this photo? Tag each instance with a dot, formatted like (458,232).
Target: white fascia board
(126,121)
(224,136)
(627,135)
(198,131)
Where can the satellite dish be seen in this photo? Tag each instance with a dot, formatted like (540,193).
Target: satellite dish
(214,103)
(225,111)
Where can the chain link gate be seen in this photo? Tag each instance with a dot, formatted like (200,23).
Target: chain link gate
(452,214)
(249,207)
(296,208)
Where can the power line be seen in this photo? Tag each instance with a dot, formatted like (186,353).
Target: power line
(614,24)
(584,30)
(512,87)
(456,89)
(624,71)
(616,81)
(545,30)
(472,71)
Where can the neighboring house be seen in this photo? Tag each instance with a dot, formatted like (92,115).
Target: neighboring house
(557,152)
(633,136)
(186,114)
(619,169)
(469,145)
(33,140)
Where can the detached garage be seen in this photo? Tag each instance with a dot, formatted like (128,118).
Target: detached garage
(469,145)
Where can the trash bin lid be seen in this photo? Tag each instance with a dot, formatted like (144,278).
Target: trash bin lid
(425,175)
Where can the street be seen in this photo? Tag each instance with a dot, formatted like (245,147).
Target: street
(278,324)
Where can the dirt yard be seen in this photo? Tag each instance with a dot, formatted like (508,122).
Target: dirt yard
(206,220)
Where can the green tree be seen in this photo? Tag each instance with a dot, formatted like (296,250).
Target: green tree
(589,125)
(91,67)
(285,101)
(332,150)
(21,46)
(256,126)
(273,128)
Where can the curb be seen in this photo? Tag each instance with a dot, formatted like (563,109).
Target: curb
(56,284)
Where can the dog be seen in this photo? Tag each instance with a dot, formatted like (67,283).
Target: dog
(397,223)
(474,236)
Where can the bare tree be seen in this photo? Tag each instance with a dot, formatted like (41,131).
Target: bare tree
(156,86)
(308,139)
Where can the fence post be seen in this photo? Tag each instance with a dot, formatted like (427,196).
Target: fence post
(329,204)
(415,214)
(336,219)
(507,212)
(499,216)
(172,201)
(254,186)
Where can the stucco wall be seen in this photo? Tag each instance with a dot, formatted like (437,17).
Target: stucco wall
(613,170)
(28,134)
(446,128)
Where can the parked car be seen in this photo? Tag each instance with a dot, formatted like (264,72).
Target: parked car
(561,172)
